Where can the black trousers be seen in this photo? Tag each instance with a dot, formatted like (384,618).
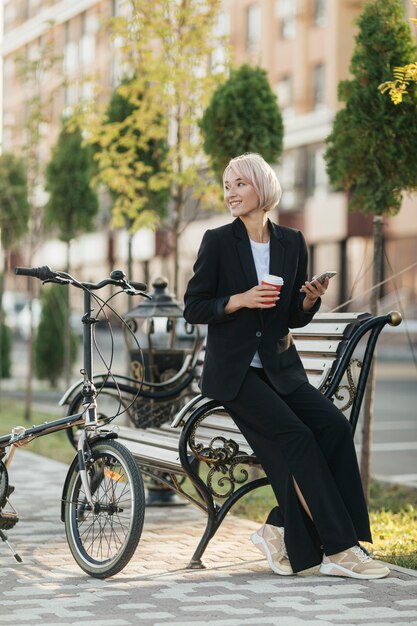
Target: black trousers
(303,436)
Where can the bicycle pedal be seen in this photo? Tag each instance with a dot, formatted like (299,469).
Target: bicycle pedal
(8,520)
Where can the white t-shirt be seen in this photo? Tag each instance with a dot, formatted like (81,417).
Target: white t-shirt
(260,252)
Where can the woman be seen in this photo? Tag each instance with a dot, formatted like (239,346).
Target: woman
(303,442)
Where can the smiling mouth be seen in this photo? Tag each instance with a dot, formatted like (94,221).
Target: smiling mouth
(234,204)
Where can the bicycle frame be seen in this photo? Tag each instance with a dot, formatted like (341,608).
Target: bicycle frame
(21,436)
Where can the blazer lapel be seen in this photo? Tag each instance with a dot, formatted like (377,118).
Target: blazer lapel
(245,253)
(277,256)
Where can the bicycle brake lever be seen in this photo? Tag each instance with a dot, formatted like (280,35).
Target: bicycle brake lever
(133,292)
(58,280)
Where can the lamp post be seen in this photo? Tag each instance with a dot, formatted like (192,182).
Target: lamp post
(166,341)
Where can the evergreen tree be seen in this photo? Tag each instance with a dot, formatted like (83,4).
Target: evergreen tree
(14,218)
(5,347)
(404,78)
(243,116)
(371,149)
(72,205)
(152,154)
(14,205)
(144,161)
(49,341)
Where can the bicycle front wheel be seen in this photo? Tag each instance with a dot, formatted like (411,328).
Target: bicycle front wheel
(103,538)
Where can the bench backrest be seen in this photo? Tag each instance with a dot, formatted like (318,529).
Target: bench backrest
(320,344)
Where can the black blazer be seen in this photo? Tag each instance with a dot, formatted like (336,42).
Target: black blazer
(224,267)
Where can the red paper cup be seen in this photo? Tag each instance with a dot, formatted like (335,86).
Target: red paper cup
(272,281)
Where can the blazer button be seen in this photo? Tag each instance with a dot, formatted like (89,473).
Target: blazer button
(258,333)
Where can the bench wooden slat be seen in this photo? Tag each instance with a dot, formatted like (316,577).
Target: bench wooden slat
(320,347)
(157,457)
(322,329)
(317,364)
(351,317)
(152,437)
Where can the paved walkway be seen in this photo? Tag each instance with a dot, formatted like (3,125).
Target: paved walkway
(236,589)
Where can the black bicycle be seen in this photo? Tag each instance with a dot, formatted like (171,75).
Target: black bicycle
(103,501)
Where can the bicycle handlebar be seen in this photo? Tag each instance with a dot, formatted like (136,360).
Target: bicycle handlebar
(47,274)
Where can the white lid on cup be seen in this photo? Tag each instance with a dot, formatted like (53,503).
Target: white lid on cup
(271,279)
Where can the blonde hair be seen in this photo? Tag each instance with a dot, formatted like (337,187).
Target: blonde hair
(256,171)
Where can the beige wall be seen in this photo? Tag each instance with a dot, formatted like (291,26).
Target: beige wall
(322,215)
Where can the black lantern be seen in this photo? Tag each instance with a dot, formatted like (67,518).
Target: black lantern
(168,347)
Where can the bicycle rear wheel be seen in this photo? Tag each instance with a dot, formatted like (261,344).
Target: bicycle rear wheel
(104,538)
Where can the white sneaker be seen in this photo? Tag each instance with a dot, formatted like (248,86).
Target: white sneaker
(270,541)
(354,563)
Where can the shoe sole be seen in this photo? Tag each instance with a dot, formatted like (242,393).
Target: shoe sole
(333,569)
(260,543)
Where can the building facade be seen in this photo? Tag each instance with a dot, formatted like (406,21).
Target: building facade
(305,46)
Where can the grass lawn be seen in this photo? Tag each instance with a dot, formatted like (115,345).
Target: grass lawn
(393,515)
(55,445)
(393,508)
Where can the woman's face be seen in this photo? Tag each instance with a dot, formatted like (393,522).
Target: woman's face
(239,195)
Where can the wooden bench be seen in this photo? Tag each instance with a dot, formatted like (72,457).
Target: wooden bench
(204,445)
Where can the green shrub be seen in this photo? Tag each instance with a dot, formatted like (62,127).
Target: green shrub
(49,342)
(6,348)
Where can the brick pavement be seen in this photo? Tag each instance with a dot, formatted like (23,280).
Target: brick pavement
(236,589)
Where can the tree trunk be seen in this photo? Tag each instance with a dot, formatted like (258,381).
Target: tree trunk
(129,257)
(178,208)
(365,462)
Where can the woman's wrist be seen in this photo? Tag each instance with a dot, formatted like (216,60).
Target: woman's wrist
(234,303)
(309,303)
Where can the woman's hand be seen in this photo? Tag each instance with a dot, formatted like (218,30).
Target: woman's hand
(259,297)
(313,291)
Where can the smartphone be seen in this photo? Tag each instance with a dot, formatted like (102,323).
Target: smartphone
(321,277)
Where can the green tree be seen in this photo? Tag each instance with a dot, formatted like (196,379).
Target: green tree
(5,348)
(14,216)
(166,47)
(38,83)
(14,205)
(243,116)
(50,336)
(120,115)
(402,78)
(371,149)
(72,205)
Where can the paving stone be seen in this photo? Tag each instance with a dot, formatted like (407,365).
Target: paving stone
(236,588)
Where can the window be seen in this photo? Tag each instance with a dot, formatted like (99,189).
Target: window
(287,176)
(218,61)
(10,16)
(71,57)
(286,11)
(319,12)
(253,27)
(70,52)
(33,7)
(87,42)
(284,91)
(316,181)
(318,86)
